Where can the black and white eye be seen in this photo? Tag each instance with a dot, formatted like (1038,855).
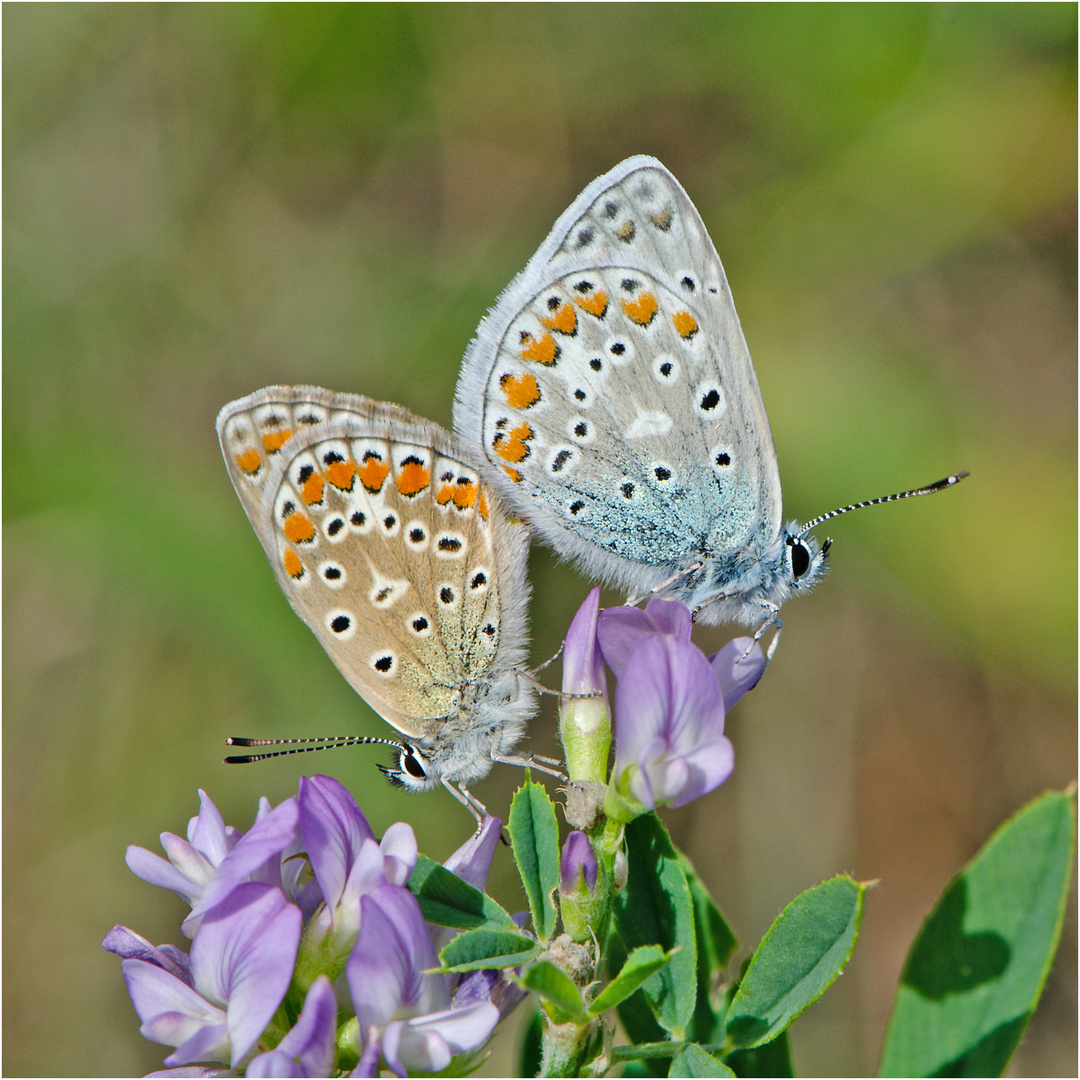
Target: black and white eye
(801,558)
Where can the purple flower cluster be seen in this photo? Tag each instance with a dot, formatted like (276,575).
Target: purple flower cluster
(308,953)
(670,700)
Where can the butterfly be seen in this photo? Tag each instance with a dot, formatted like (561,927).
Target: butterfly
(610,399)
(391,549)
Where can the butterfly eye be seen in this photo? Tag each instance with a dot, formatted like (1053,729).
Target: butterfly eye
(800,557)
(411,764)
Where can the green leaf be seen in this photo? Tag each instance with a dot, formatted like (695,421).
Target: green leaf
(636,1017)
(772,1059)
(715,944)
(639,966)
(655,909)
(534,834)
(554,985)
(531,1052)
(977,968)
(476,950)
(805,949)
(446,900)
(691,1060)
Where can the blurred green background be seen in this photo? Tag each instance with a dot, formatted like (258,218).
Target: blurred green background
(203,200)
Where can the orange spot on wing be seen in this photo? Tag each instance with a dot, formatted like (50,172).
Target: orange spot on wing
(642,309)
(542,350)
(412,477)
(373,473)
(464,494)
(594,303)
(299,528)
(293,566)
(482,505)
(512,473)
(312,491)
(275,440)
(685,324)
(250,461)
(341,473)
(446,493)
(512,447)
(522,391)
(562,319)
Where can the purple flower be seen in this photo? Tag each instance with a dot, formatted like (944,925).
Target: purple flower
(401,1006)
(346,859)
(472,861)
(241,963)
(737,675)
(620,630)
(669,728)
(583,666)
(738,665)
(216,858)
(308,1049)
(578,866)
(585,722)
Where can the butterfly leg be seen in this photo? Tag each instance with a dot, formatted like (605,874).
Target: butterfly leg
(468,800)
(548,663)
(772,620)
(633,601)
(530,761)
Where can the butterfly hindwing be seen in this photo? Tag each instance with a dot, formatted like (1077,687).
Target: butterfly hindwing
(386,544)
(611,392)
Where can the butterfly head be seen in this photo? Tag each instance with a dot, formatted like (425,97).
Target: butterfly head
(414,771)
(803,560)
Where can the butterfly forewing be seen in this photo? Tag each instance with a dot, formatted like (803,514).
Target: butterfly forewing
(612,391)
(384,542)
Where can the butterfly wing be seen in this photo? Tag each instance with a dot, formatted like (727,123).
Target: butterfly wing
(611,393)
(385,543)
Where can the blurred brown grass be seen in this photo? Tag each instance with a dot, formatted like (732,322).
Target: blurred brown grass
(203,200)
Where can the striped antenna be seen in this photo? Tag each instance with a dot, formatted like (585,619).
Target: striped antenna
(941,485)
(326,742)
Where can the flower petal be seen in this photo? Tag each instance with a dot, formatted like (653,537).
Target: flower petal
(428,1043)
(738,677)
(173,1013)
(671,617)
(386,968)
(578,862)
(368,1065)
(334,831)
(620,630)
(131,946)
(244,954)
(583,664)
(211,1041)
(642,700)
(697,703)
(707,768)
(208,833)
(154,869)
(399,850)
(308,1049)
(276,1064)
(472,861)
(263,843)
